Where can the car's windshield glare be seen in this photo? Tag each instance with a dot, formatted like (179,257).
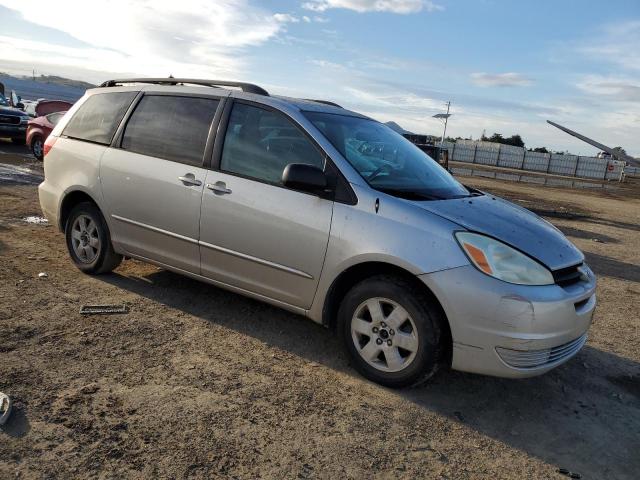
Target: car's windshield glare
(386,160)
(3,101)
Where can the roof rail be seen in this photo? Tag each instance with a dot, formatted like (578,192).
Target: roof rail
(245,87)
(325,102)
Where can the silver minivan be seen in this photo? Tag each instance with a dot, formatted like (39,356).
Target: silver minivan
(323,212)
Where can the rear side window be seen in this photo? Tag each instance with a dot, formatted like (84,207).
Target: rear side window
(99,116)
(54,118)
(173,128)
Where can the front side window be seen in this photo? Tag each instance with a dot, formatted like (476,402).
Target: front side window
(98,117)
(388,162)
(260,143)
(173,128)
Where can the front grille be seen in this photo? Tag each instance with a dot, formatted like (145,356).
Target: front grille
(567,276)
(9,120)
(540,358)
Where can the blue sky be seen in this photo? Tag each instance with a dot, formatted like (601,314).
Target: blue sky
(507,66)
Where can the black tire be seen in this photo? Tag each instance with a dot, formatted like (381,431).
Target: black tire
(105,259)
(19,141)
(37,146)
(426,317)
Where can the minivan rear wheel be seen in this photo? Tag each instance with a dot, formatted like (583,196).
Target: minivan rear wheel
(88,240)
(392,331)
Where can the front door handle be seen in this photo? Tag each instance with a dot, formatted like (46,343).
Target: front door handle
(219,188)
(190,179)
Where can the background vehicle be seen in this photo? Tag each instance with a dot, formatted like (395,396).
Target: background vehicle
(321,211)
(48,114)
(42,106)
(13,122)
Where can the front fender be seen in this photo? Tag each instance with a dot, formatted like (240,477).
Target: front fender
(397,233)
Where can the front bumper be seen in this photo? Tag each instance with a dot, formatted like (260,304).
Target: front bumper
(509,330)
(13,131)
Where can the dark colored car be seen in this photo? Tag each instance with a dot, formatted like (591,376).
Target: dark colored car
(48,114)
(13,122)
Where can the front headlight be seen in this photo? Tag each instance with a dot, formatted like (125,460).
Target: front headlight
(501,261)
(24,120)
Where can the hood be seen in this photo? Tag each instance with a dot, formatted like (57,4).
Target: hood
(14,112)
(510,224)
(45,107)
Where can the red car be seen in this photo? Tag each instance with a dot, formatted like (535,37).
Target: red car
(49,113)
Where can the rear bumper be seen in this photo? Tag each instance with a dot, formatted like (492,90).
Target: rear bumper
(49,202)
(508,330)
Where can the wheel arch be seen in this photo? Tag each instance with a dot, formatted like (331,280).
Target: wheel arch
(33,132)
(70,200)
(361,271)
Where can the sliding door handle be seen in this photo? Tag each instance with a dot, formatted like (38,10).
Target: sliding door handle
(219,187)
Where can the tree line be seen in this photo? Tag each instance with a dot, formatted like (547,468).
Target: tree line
(515,140)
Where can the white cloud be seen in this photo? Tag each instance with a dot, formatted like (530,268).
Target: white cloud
(306,19)
(393,6)
(508,79)
(286,18)
(146,36)
(326,64)
(616,44)
(611,88)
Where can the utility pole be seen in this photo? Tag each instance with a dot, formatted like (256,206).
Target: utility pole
(444,133)
(445,117)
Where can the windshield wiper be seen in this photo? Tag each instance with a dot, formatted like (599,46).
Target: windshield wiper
(410,195)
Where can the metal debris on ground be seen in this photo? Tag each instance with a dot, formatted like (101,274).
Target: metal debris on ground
(103,309)
(5,408)
(43,275)
(567,473)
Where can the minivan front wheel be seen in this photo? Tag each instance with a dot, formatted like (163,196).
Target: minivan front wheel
(392,331)
(88,240)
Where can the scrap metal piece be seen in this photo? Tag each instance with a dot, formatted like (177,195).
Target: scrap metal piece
(5,408)
(103,309)
(568,473)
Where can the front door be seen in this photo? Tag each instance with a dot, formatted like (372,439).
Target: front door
(256,234)
(153,184)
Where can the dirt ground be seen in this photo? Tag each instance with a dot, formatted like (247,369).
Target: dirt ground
(197,382)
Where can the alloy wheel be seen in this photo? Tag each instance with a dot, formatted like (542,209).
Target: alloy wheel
(84,238)
(384,334)
(37,148)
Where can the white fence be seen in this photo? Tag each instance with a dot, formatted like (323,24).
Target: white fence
(507,156)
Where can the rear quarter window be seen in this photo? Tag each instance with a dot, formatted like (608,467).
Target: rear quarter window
(98,117)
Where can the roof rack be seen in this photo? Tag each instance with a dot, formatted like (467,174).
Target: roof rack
(325,102)
(245,87)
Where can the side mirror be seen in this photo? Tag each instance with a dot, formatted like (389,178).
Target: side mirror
(306,178)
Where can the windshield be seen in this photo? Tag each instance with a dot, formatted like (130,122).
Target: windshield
(3,101)
(386,160)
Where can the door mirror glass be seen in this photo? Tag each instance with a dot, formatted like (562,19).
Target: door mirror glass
(306,178)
